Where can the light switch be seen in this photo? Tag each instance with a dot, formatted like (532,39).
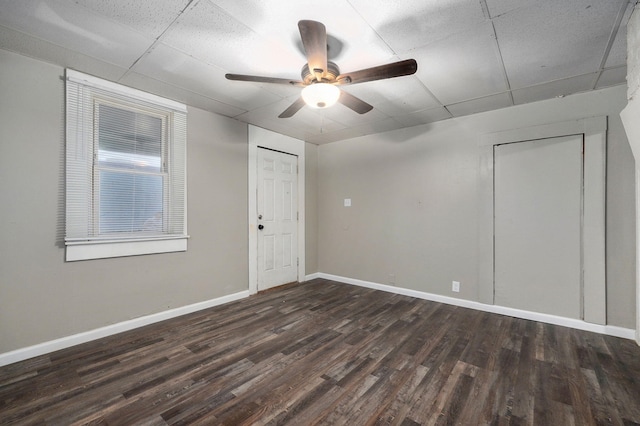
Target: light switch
(347,202)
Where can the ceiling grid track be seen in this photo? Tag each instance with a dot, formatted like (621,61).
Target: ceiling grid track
(487,14)
(612,37)
(158,40)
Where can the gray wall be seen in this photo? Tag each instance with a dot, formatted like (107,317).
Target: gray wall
(42,297)
(633,128)
(633,53)
(311,208)
(414,201)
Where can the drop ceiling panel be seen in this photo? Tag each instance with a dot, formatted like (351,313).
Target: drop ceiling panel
(314,121)
(500,7)
(305,122)
(75,28)
(150,18)
(554,89)
(167,64)
(348,117)
(410,24)
(407,92)
(618,54)
(501,100)
(209,34)
(418,100)
(305,119)
(464,66)
(16,41)
(356,45)
(612,77)
(356,131)
(423,117)
(160,88)
(552,40)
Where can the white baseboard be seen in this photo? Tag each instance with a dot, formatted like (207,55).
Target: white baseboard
(610,330)
(312,276)
(87,336)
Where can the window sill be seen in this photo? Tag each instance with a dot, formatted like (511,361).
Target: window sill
(87,250)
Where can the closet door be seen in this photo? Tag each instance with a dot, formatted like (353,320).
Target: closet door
(537,225)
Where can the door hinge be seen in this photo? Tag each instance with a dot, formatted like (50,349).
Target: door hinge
(297,215)
(298,261)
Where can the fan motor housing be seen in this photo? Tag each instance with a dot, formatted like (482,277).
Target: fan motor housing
(329,75)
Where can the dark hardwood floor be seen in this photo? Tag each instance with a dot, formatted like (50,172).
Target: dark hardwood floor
(330,353)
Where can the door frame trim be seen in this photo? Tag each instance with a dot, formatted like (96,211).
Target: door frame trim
(259,137)
(594,132)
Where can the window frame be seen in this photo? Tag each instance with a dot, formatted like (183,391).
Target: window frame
(82,238)
(98,102)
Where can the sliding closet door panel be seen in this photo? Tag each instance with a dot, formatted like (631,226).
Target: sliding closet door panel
(538,210)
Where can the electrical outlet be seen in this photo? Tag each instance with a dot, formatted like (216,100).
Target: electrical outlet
(455,286)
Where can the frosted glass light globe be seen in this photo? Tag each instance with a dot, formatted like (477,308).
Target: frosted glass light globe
(320,95)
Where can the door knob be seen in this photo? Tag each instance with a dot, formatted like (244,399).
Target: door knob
(261,227)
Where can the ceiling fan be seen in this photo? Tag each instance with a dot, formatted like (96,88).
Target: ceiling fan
(321,77)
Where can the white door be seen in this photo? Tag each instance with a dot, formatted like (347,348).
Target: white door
(538,211)
(277,218)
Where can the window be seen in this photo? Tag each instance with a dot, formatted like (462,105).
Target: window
(125,171)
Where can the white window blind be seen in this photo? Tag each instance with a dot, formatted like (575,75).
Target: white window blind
(125,170)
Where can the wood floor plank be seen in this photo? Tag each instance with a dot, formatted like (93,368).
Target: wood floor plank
(329,353)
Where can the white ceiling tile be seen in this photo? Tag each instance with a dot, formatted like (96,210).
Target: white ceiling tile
(207,33)
(277,125)
(242,43)
(348,117)
(358,45)
(356,131)
(314,121)
(404,106)
(306,119)
(406,25)
(407,93)
(618,53)
(501,100)
(75,28)
(149,17)
(501,7)
(554,89)
(379,126)
(551,40)
(612,77)
(424,117)
(334,136)
(464,66)
(16,41)
(174,67)
(157,87)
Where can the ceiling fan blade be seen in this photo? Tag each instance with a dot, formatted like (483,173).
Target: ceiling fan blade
(314,40)
(395,69)
(258,79)
(356,104)
(293,108)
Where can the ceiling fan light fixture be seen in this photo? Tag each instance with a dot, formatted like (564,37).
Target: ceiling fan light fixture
(320,95)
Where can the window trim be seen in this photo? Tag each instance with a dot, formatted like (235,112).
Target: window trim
(99,247)
(86,250)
